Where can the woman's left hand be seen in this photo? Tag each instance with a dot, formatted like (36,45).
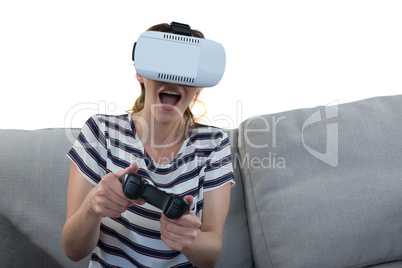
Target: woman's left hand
(180,233)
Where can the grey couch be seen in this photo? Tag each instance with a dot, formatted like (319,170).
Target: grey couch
(317,187)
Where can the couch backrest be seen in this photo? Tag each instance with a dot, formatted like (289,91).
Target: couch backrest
(323,186)
(34,176)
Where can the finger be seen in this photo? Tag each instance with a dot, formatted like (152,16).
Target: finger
(103,206)
(174,243)
(116,201)
(190,199)
(105,212)
(138,201)
(176,236)
(188,221)
(110,190)
(111,182)
(110,208)
(133,168)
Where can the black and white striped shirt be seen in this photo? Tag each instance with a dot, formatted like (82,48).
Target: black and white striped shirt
(109,144)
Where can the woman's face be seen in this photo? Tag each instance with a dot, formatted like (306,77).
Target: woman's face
(167,102)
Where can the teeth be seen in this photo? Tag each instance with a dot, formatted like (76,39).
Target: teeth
(171,93)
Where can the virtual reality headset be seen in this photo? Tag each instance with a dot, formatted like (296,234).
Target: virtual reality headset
(179,58)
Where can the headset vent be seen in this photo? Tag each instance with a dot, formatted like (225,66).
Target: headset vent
(183,38)
(176,78)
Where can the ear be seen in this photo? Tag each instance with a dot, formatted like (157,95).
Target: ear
(140,78)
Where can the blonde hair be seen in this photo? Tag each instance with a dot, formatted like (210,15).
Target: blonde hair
(139,103)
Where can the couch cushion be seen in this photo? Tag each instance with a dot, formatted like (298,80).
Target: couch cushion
(396,264)
(323,186)
(16,249)
(34,176)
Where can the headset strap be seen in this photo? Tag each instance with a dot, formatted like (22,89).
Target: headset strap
(181,28)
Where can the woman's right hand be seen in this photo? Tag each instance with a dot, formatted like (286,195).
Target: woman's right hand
(107,198)
(87,205)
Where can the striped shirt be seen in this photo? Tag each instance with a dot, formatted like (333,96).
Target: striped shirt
(109,144)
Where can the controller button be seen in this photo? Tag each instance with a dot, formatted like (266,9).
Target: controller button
(131,189)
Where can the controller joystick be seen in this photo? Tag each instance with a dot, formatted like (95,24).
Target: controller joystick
(172,205)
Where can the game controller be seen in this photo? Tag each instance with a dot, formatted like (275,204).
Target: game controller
(172,205)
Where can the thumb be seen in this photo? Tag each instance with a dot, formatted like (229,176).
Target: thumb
(133,168)
(189,199)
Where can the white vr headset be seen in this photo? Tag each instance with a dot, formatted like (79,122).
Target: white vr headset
(179,58)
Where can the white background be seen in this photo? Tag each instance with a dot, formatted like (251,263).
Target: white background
(62,61)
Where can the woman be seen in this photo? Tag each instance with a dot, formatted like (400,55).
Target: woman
(161,142)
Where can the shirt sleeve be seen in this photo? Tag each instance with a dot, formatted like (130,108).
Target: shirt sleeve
(219,169)
(89,151)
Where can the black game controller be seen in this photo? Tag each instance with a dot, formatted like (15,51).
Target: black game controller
(172,205)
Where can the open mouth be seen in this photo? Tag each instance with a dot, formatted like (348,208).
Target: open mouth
(169,98)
